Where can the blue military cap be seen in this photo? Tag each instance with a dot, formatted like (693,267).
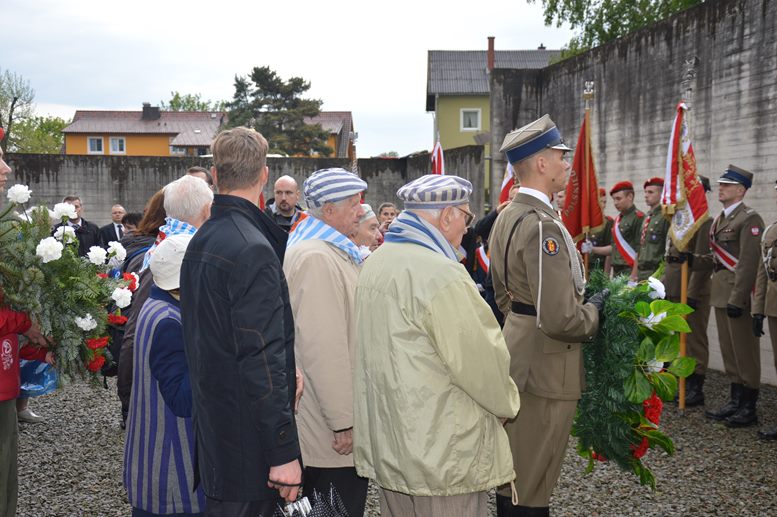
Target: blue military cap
(330,186)
(531,139)
(737,175)
(435,191)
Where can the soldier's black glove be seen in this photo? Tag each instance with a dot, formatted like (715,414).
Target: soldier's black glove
(598,300)
(732,311)
(692,303)
(758,325)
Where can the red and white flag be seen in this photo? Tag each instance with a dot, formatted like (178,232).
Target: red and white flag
(683,197)
(438,163)
(507,183)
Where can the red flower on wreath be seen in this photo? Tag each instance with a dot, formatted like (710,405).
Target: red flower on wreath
(132,278)
(598,456)
(639,451)
(97,342)
(653,408)
(117,319)
(102,275)
(96,363)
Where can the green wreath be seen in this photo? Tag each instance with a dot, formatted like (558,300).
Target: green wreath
(632,364)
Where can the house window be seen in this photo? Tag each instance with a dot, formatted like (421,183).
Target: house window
(94,145)
(470,119)
(177,151)
(118,145)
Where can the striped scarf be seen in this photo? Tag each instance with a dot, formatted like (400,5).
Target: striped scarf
(311,228)
(409,227)
(172,226)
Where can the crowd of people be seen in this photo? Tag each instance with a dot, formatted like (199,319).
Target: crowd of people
(274,352)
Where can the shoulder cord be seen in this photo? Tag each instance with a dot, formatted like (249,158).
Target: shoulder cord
(768,257)
(507,251)
(577,266)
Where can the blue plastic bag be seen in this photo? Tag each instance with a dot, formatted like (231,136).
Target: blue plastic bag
(37,378)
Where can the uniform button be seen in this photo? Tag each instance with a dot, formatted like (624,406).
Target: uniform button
(569,347)
(282,435)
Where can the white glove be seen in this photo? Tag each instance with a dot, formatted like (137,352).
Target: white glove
(587,246)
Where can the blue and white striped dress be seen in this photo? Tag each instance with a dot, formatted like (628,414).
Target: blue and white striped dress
(159,446)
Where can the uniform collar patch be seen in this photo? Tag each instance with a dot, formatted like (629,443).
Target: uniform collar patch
(755,230)
(550,246)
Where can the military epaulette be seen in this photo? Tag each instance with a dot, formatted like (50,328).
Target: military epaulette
(749,210)
(640,214)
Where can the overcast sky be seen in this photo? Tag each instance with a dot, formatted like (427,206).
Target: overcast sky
(366,57)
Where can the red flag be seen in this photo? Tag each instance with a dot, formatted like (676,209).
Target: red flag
(683,197)
(438,163)
(581,212)
(507,183)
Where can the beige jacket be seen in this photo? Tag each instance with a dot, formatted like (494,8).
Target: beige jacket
(765,300)
(322,287)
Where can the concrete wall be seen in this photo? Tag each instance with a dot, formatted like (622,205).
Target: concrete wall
(638,84)
(102,181)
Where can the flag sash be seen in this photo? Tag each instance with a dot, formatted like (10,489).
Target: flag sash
(483,260)
(507,183)
(624,248)
(720,255)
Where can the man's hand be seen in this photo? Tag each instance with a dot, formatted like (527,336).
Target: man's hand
(35,336)
(343,442)
(300,389)
(758,325)
(286,479)
(586,247)
(50,358)
(732,311)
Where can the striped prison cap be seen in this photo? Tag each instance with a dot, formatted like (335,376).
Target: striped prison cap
(330,186)
(435,191)
(369,213)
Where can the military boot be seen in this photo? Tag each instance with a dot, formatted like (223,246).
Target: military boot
(731,407)
(694,392)
(746,414)
(768,434)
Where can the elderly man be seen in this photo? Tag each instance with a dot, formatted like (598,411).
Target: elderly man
(238,337)
(114,231)
(539,285)
(283,208)
(321,266)
(432,385)
(87,233)
(368,235)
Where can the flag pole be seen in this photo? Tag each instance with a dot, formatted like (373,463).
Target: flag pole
(588,95)
(688,76)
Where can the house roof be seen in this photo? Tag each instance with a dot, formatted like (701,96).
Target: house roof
(189,128)
(338,123)
(464,72)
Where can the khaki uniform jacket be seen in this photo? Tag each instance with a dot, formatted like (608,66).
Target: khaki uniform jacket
(322,291)
(765,301)
(546,359)
(631,229)
(652,245)
(431,378)
(740,235)
(699,272)
(601,238)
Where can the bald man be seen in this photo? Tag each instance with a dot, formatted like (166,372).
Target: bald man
(283,208)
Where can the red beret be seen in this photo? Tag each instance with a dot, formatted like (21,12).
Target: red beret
(602,191)
(621,185)
(654,182)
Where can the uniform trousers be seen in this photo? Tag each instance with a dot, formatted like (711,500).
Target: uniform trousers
(773,335)
(739,348)
(9,437)
(697,341)
(538,438)
(396,504)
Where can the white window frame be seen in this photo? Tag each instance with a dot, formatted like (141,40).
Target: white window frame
(461,119)
(118,139)
(177,151)
(89,147)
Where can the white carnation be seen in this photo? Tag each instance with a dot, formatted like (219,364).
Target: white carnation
(49,249)
(652,319)
(86,323)
(115,249)
(657,289)
(63,231)
(97,255)
(19,194)
(655,366)
(62,210)
(122,296)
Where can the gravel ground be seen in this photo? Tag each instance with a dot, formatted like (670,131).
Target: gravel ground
(71,464)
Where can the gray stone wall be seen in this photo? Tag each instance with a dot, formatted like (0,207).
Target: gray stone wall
(638,84)
(102,181)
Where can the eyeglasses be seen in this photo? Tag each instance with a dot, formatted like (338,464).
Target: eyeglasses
(468,216)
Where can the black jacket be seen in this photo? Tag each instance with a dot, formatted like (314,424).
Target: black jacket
(108,234)
(239,338)
(88,235)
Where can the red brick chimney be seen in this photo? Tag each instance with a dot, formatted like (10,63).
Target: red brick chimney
(490,53)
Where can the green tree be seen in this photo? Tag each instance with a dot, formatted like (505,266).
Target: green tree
(190,102)
(42,135)
(600,21)
(16,96)
(275,108)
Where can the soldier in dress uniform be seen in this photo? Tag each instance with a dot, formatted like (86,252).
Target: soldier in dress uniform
(600,239)
(539,284)
(765,302)
(625,230)
(735,241)
(655,227)
(699,260)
